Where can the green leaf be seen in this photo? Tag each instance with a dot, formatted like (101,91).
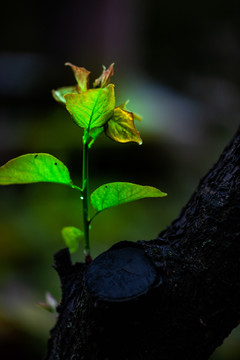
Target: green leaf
(121,127)
(71,236)
(96,132)
(117,193)
(33,168)
(58,94)
(92,108)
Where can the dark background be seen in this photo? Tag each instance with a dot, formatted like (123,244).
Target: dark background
(178,63)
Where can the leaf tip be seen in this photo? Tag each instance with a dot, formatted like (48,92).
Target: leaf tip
(81,75)
(105,77)
(57,96)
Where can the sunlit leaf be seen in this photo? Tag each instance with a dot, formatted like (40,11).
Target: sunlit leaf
(121,127)
(33,168)
(71,236)
(117,193)
(92,108)
(81,76)
(59,93)
(105,77)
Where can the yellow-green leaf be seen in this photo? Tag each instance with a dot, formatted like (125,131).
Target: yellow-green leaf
(121,127)
(81,76)
(117,193)
(33,168)
(92,108)
(59,93)
(124,107)
(71,236)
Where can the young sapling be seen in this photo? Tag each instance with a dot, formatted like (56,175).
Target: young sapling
(93,110)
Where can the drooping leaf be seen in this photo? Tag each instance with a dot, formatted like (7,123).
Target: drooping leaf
(117,193)
(71,236)
(92,108)
(121,127)
(59,93)
(105,77)
(81,76)
(33,168)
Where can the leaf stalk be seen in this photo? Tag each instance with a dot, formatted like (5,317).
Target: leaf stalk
(85,195)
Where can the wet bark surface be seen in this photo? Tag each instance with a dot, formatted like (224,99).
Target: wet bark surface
(177,296)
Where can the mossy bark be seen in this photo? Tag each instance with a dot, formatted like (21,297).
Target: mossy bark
(177,296)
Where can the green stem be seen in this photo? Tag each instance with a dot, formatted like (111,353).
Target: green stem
(85,195)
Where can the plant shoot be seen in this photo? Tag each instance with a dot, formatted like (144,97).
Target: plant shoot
(94,110)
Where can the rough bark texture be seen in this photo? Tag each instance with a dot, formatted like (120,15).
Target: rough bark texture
(177,296)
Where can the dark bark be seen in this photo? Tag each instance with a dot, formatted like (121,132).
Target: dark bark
(177,296)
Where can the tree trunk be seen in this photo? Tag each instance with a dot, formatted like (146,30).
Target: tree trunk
(175,297)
